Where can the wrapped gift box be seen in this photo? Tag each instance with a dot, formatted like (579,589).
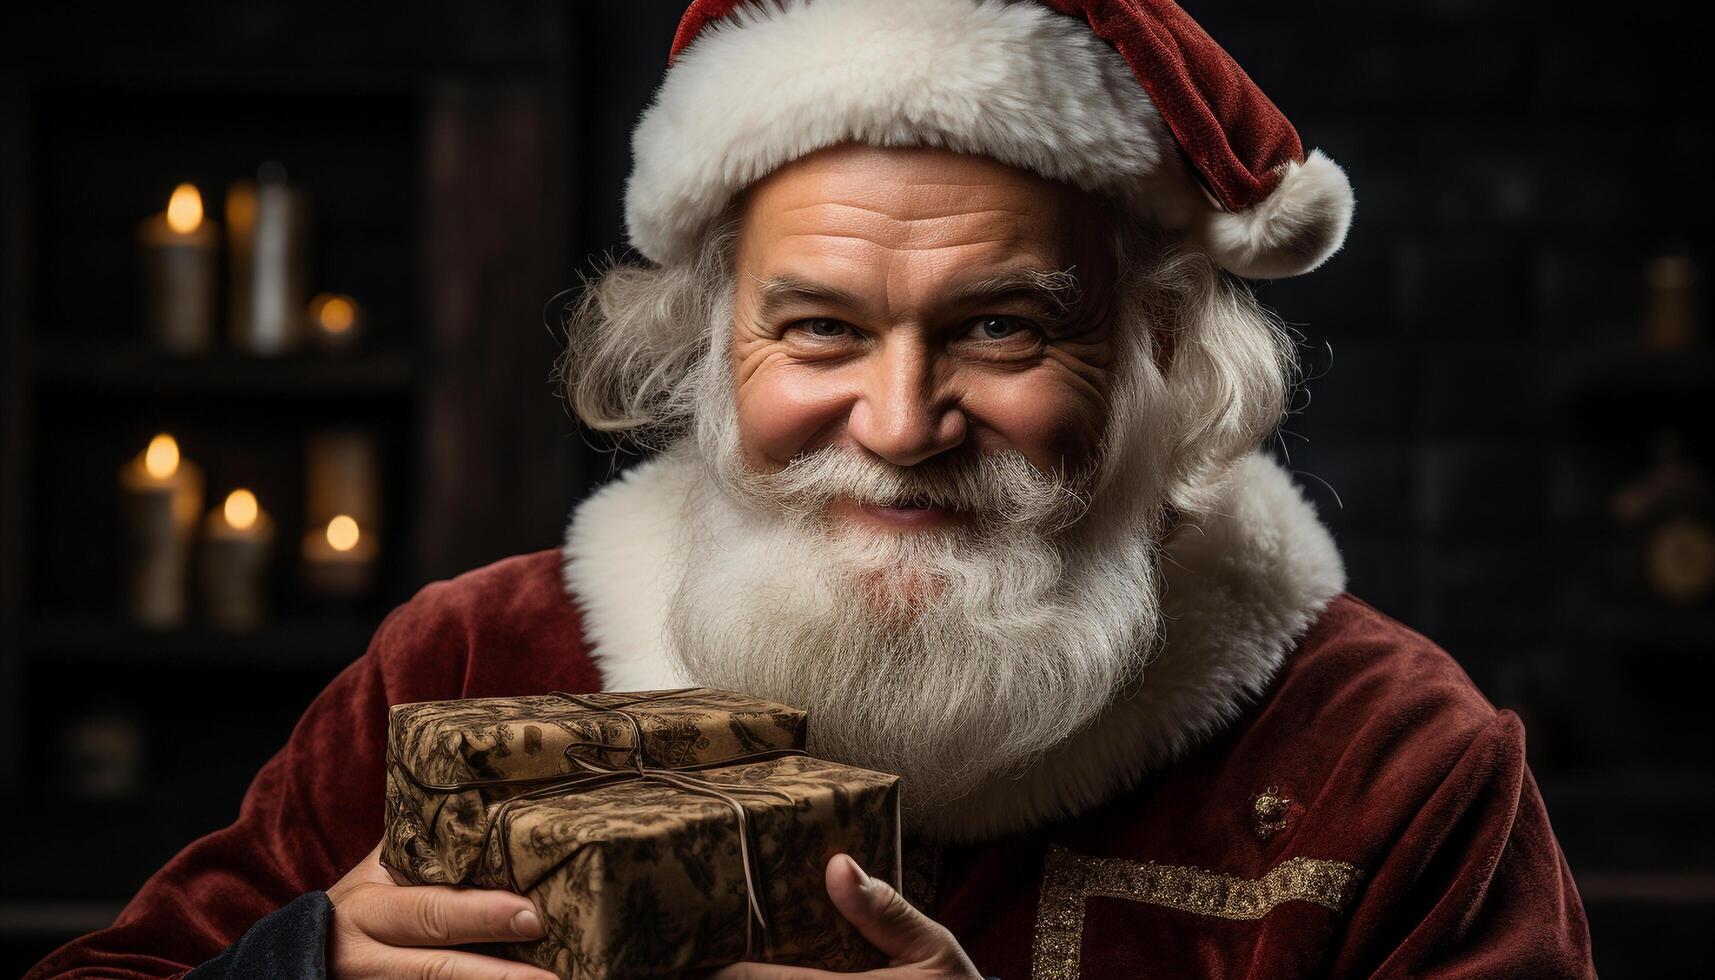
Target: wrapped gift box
(498,747)
(641,869)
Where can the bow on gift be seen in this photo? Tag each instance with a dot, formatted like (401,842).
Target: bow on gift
(638,767)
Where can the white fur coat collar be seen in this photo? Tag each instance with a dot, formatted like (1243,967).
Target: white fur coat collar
(1242,585)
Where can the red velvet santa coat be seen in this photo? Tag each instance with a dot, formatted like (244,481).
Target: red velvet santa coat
(1302,787)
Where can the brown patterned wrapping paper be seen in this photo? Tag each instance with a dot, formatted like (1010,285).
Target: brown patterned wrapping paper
(644,875)
(434,837)
(641,879)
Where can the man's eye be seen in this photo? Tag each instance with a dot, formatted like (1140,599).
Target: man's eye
(823,327)
(999,327)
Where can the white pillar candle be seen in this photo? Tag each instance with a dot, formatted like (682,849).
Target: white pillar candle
(178,251)
(160,499)
(342,475)
(238,539)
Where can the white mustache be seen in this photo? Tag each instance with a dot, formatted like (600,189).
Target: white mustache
(994,489)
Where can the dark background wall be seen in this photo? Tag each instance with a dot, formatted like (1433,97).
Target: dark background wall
(1485,424)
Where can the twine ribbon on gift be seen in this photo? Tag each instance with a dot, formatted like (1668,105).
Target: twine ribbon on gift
(638,767)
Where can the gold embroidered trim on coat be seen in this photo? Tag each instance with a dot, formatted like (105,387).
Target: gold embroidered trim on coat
(1069,878)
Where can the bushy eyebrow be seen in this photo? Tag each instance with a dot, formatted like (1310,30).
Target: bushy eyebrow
(778,292)
(1057,292)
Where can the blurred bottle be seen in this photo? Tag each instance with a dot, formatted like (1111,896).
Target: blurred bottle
(267,231)
(1672,321)
(102,753)
(1667,516)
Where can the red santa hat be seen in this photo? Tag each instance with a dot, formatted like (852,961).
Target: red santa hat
(1128,98)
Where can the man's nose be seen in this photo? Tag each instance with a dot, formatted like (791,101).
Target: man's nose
(903,415)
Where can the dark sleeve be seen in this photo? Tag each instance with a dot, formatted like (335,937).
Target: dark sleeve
(1476,886)
(316,809)
(312,812)
(290,944)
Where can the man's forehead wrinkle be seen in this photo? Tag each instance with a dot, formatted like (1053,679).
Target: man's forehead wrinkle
(906,179)
(958,228)
(930,247)
(954,210)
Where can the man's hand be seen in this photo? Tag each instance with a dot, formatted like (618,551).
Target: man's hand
(917,948)
(383,930)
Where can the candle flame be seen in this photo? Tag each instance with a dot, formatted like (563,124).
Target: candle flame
(335,313)
(343,533)
(184,211)
(161,459)
(241,509)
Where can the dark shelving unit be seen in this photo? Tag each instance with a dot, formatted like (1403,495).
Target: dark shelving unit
(1621,387)
(437,173)
(309,645)
(139,371)
(1630,793)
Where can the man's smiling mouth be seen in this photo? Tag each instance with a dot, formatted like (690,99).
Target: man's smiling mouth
(899,515)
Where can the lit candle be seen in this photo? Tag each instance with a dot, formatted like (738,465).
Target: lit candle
(342,497)
(160,497)
(342,475)
(266,224)
(339,558)
(336,321)
(238,538)
(179,250)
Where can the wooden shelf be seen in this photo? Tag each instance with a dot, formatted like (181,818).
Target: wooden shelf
(55,920)
(1656,888)
(144,372)
(281,646)
(136,834)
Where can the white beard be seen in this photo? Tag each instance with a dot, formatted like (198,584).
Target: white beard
(952,657)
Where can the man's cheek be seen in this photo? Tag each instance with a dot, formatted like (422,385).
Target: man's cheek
(783,411)
(1053,424)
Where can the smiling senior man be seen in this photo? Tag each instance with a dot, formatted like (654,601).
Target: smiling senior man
(957,398)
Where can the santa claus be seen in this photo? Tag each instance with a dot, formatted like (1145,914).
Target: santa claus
(957,394)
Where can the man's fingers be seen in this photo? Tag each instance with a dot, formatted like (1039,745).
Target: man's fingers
(449,964)
(884,917)
(368,871)
(436,915)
